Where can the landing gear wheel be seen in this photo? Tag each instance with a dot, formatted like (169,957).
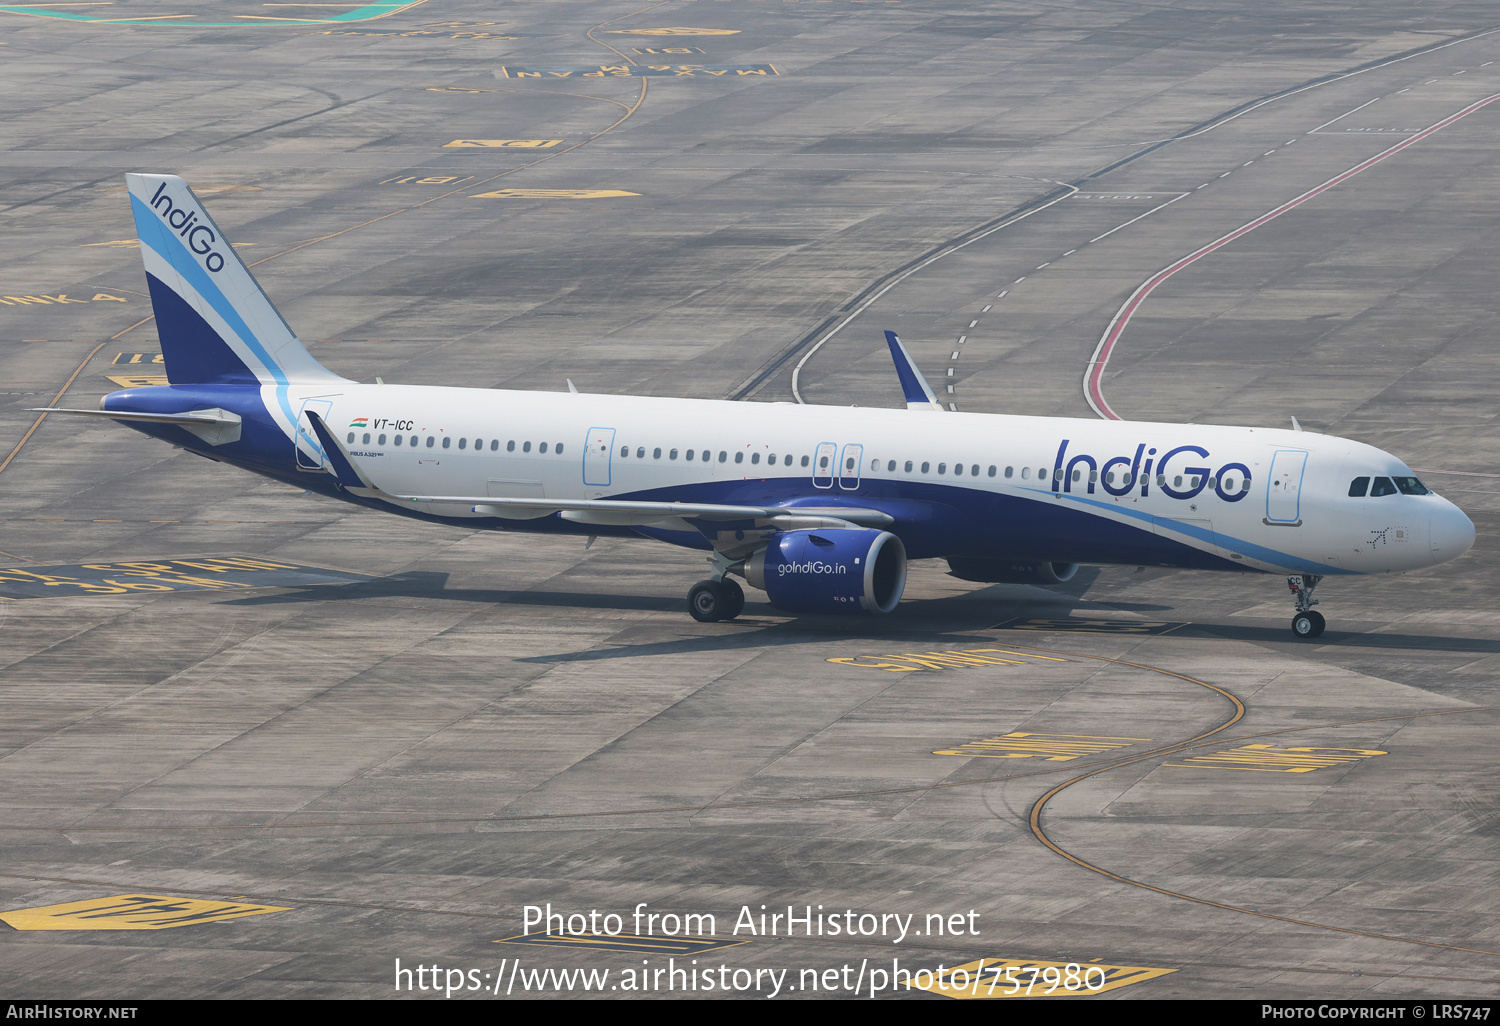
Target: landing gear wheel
(736,597)
(1309,624)
(709,601)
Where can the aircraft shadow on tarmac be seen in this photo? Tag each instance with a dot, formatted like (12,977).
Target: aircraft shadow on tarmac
(924,621)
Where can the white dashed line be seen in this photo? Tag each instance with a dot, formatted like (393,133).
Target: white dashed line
(954,356)
(962,339)
(987,308)
(950,374)
(1226,174)
(953,406)
(1406,90)
(1486,64)
(1268,153)
(1070,252)
(1429,81)
(1289,142)
(1458,72)
(972,323)
(1001,294)
(1247,163)
(1019,280)
(1047,264)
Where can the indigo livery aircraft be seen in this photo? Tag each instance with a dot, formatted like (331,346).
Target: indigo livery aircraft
(820,507)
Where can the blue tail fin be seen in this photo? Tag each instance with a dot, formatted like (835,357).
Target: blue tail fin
(214,322)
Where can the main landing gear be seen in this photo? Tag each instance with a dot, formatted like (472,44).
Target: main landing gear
(716,600)
(1308,623)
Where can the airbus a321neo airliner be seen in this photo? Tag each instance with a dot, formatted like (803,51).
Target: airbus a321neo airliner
(820,507)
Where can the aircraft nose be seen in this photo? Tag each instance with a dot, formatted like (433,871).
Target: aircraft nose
(1452,534)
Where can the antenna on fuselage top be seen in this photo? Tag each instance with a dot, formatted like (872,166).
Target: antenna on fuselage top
(1295,425)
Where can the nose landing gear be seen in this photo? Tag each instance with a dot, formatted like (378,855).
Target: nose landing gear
(1307,623)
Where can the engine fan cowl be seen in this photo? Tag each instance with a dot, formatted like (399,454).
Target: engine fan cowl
(831,571)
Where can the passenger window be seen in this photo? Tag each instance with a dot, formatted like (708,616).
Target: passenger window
(942,468)
(890,466)
(1025,473)
(754,458)
(1093,476)
(1358,487)
(1245,485)
(822,463)
(739,457)
(1383,486)
(640,453)
(431,441)
(1161,480)
(974,470)
(672,455)
(908,466)
(1176,481)
(525,446)
(447,441)
(559,449)
(992,470)
(542,447)
(723,455)
(351,437)
(397,439)
(771,459)
(463,443)
(849,463)
(510,446)
(925,466)
(494,444)
(804,461)
(1041,474)
(1008,471)
(689,454)
(479,443)
(366,439)
(874,464)
(624,450)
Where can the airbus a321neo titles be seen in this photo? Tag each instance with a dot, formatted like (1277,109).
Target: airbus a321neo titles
(820,507)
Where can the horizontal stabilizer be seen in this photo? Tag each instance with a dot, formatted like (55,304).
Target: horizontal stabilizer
(919,394)
(214,426)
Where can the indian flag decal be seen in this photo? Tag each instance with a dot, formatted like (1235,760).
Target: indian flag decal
(360,422)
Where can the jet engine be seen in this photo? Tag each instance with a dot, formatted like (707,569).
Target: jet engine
(839,570)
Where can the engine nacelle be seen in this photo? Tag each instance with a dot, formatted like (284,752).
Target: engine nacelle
(1007,571)
(831,571)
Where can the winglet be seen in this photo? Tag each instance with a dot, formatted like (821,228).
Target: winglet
(919,394)
(339,461)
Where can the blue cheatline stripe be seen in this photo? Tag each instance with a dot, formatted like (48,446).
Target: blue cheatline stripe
(365,13)
(167,246)
(1260,552)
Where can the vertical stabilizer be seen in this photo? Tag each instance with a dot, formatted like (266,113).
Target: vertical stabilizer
(214,322)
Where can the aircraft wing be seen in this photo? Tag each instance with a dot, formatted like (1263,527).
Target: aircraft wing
(604,512)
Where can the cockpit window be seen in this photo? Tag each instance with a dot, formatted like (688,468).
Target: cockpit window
(1358,487)
(1383,486)
(1410,486)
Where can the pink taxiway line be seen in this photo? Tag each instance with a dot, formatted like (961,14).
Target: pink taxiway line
(1091,382)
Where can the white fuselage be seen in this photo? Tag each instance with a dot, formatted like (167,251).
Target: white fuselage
(1295,516)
